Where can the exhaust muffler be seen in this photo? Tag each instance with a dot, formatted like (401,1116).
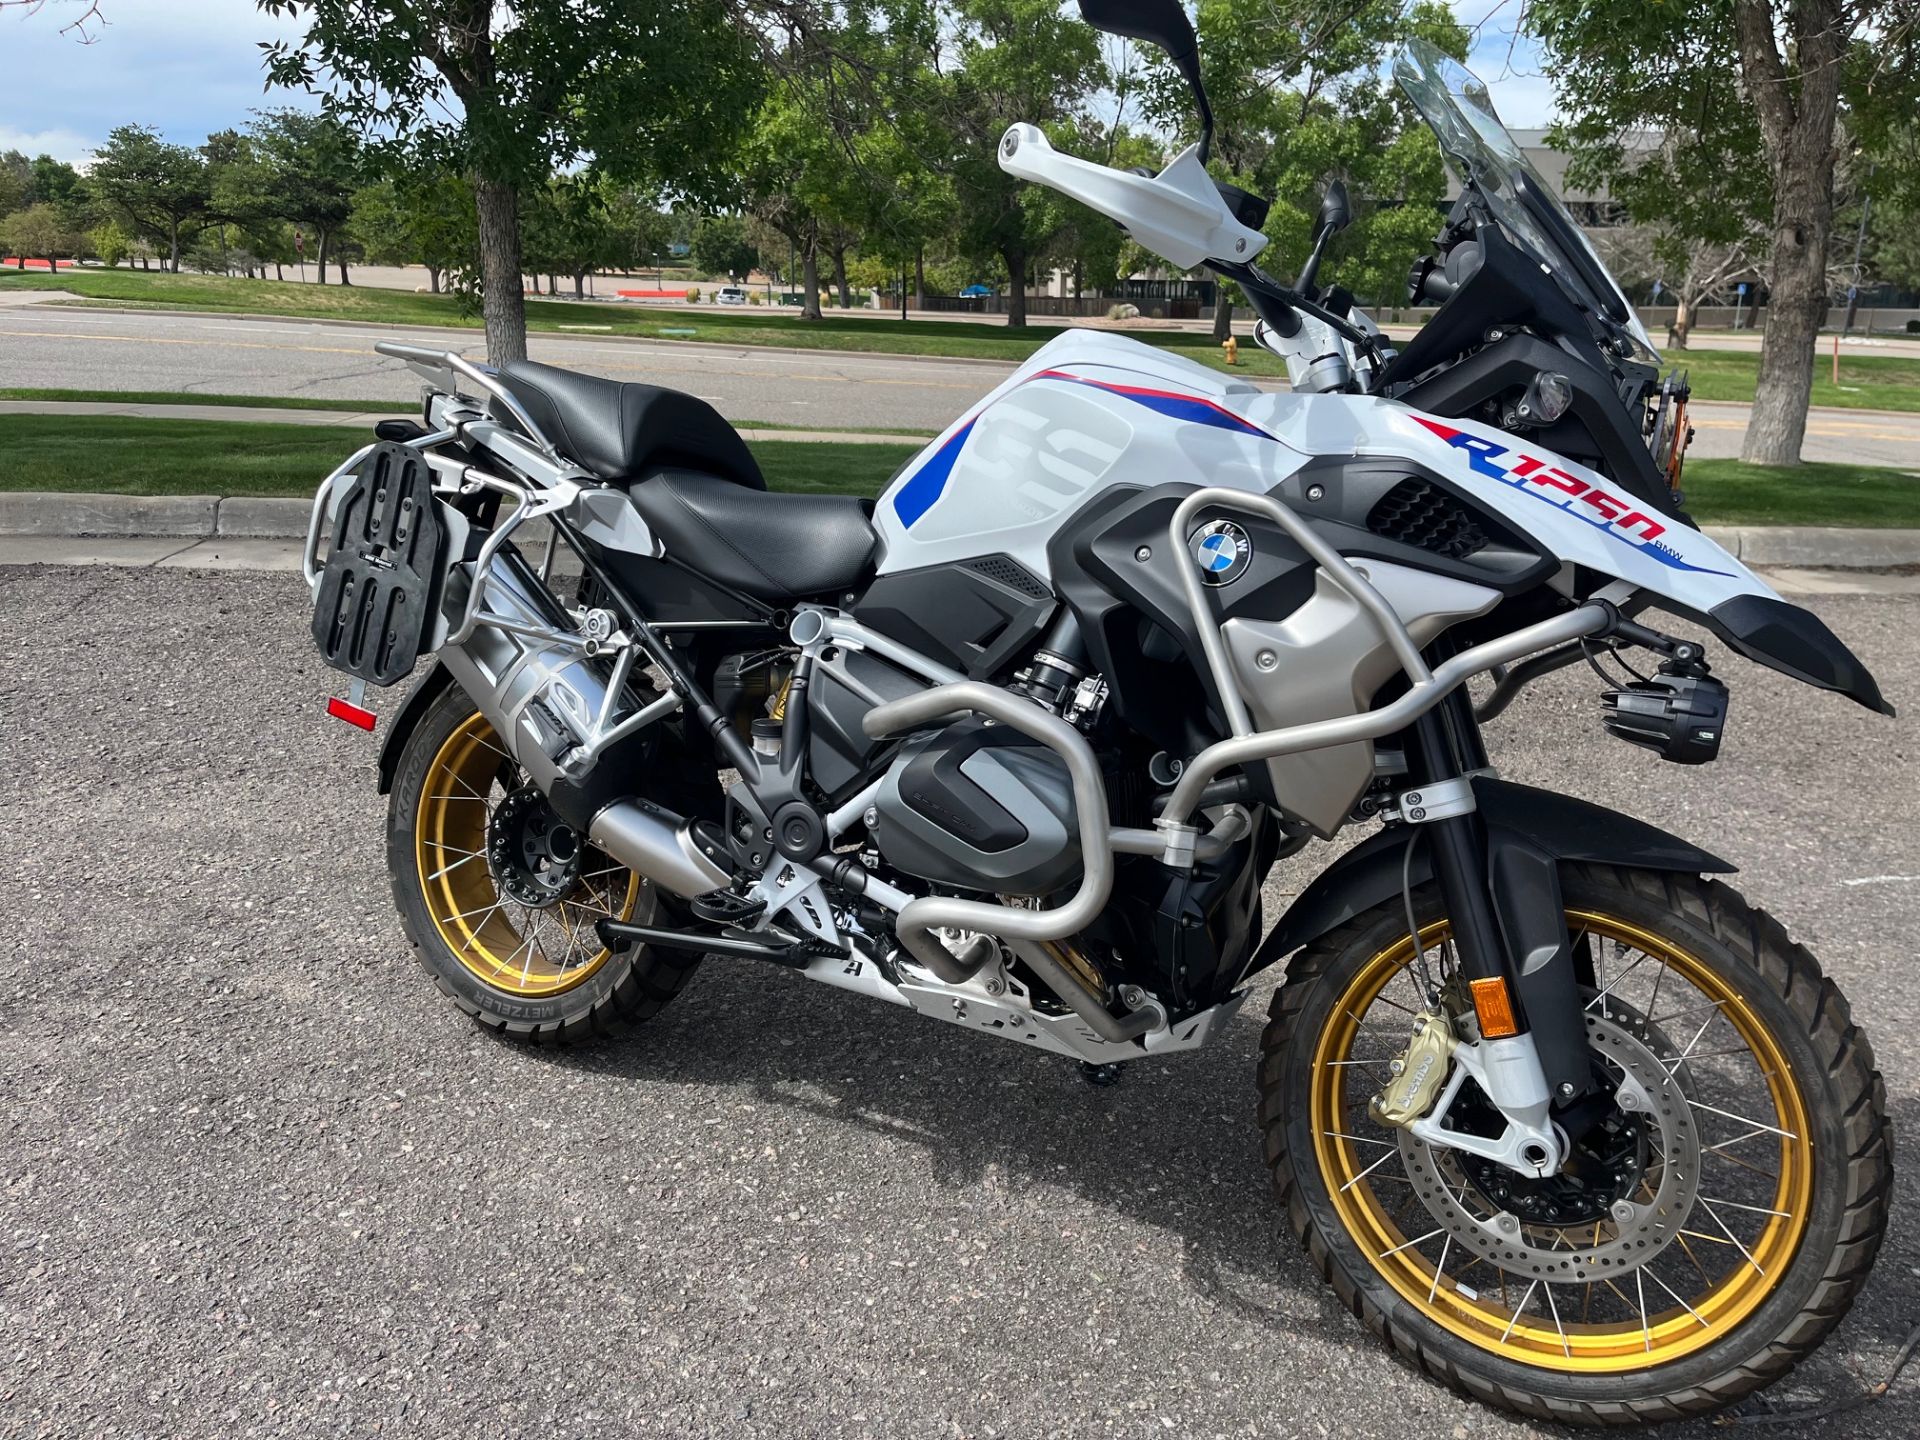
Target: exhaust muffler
(543,700)
(659,846)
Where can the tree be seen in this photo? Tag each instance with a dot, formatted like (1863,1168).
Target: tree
(419,217)
(162,190)
(721,247)
(39,232)
(312,169)
(110,243)
(1019,60)
(1749,96)
(652,92)
(16,180)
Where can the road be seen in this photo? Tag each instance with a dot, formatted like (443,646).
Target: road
(58,347)
(261,1181)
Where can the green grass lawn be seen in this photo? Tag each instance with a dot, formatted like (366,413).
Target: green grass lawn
(1867,382)
(750,325)
(131,456)
(1728,492)
(126,456)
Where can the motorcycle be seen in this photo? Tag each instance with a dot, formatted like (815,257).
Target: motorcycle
(1557,1113)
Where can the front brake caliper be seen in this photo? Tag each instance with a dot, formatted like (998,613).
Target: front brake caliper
(1418,1071)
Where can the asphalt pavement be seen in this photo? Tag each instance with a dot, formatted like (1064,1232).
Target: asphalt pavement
(59,347)
(260,1180)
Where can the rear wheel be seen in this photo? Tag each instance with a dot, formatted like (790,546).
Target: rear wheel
(1717,1215)
(500,897)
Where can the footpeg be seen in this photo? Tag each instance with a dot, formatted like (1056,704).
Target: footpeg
(724,908)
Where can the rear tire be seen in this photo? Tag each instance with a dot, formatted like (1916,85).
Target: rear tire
(1776,989)
(469,937)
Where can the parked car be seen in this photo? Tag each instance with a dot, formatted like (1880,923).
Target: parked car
(730,295)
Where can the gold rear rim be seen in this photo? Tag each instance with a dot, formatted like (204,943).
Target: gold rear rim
(1754,1166)
(530,952)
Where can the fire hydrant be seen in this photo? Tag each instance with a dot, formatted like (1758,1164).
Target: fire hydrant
(1232,346)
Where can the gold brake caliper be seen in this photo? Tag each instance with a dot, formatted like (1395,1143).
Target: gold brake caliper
(1418,1071)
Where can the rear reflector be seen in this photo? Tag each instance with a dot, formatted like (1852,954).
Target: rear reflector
(353,714)
(1494,1007)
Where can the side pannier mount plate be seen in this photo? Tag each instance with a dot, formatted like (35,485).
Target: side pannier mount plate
(379,594)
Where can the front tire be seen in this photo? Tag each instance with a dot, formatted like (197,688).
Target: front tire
(1786,1187)
(517,953)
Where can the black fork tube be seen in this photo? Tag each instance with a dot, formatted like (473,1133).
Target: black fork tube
(1458,848)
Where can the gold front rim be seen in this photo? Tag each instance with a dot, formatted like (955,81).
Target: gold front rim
(521,950)
(1728,1254)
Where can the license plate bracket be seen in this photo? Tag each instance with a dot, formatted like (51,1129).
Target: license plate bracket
(376,606)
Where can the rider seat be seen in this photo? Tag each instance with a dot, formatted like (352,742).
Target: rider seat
(698,486)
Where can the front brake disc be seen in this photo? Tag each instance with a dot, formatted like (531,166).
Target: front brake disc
(1637,1226)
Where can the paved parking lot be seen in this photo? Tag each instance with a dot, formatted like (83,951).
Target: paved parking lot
(258,1180)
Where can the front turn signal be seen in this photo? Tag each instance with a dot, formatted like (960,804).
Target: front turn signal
(1494,1006)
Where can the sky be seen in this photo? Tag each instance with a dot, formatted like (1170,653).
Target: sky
(189,67)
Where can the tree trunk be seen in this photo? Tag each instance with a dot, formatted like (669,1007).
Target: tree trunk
(278,273)
(1016,258)
(810,278)
(343,271)
(321,262)
(579,284)
(503,302)
(1682,322)
(1797,123)
(1222,313)
(840,277)
(920,277)
(173,246)
(433,279)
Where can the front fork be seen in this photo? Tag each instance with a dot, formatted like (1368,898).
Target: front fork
(1501,895)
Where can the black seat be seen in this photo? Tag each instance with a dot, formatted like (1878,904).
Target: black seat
(771,546)
(619,429)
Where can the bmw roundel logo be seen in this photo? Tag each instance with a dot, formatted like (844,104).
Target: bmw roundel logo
(1222,551)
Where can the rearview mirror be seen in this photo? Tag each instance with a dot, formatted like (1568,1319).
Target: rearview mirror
(1335,213)
(1163,24)
(1157,22)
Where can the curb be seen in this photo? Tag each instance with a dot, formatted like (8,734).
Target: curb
(72,514)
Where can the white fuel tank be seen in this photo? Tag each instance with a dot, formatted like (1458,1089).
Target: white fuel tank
(1089,410)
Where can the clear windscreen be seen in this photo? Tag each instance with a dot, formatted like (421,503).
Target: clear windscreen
(1457,108)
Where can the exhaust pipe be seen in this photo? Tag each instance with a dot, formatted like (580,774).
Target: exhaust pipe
(658,846)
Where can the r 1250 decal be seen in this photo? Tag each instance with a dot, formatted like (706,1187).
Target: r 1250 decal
(1615,518)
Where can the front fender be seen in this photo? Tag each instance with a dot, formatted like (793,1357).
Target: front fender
(1556,825)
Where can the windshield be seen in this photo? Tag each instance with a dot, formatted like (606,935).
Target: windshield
(1456,106)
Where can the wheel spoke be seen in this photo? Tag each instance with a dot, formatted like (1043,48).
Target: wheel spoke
(1743,1120)
(1408,1245)
(1531,1287)
(1440,1269)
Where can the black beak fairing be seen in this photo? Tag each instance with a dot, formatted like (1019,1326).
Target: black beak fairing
(1795,642)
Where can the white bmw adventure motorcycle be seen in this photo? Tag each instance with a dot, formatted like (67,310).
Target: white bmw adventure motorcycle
(1571,1126)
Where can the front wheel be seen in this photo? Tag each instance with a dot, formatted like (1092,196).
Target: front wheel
(1688,1253)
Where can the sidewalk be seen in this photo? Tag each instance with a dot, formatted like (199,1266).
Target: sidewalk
(366,419)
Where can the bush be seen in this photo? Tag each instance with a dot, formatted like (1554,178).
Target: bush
(1913,327)
(1122,312)
(754,298)
(693,295)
